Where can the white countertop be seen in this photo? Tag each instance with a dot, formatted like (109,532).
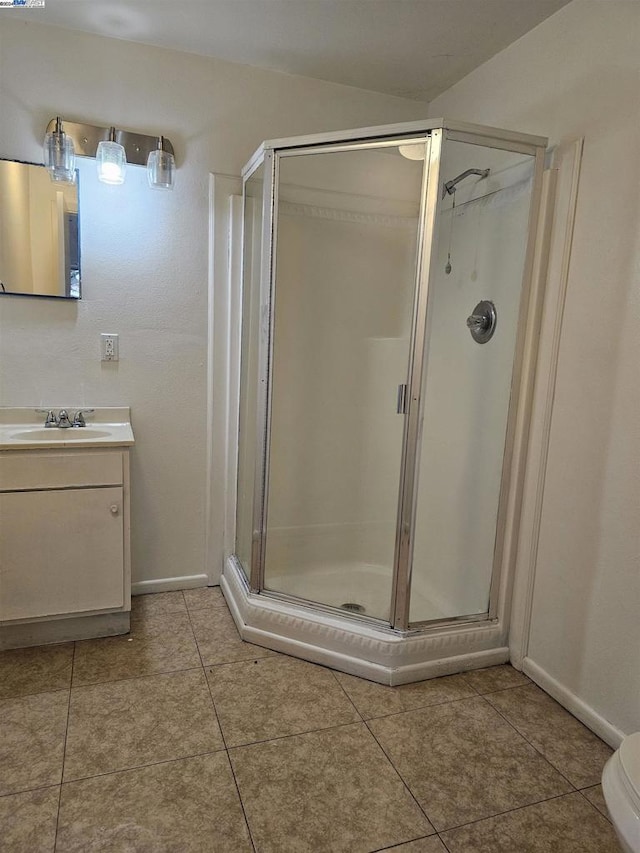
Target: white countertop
(23,429)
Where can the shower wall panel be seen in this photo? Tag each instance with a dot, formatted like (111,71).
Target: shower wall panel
(468,385)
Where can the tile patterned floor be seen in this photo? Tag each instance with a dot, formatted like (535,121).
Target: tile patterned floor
(180,737)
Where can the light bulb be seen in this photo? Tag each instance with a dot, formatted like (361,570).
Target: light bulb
(111,160)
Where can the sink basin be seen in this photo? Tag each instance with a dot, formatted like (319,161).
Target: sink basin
(23,429)
(56,434)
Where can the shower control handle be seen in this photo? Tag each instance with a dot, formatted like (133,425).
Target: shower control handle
(478,321)
(482,322)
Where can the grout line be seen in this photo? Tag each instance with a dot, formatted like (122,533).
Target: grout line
(422,707)
(295,734)
(64,749)
(137,767)
(149,674)
(404,843)
(137,677)
(593,806)
(341,686)
(444,843)
(226,749)
(29,790)
(497,689)
(399,775)
(532,745)
(509,811)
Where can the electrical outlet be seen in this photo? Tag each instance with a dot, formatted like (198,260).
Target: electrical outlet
(109,347)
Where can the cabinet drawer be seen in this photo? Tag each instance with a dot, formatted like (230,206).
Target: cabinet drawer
(59,469)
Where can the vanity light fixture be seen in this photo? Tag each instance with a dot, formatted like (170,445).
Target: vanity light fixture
(113,150)
(111,160)
(161,167)
(59,153)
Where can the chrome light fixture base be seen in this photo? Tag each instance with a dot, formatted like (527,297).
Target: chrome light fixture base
(86,137)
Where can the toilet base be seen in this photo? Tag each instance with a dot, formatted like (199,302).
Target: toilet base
(625,813)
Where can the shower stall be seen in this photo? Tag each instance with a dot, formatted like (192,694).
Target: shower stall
(386,310)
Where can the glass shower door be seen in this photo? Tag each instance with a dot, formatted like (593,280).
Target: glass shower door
(347,229)
(474,304)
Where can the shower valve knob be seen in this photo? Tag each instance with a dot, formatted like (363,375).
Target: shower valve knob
(482,322)
(477,321)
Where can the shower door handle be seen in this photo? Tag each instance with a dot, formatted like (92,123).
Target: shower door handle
(401,403)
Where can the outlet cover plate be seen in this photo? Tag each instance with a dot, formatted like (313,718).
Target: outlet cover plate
(109,347)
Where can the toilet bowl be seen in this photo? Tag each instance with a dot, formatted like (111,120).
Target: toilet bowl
(621,789)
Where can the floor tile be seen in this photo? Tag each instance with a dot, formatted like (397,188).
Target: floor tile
(575,751)
(28,821)
(32,730)
(155,644)
(564,825)
(123,724)
(204,596)
(218,639)
(276,696)
(376,700)
(40,669)
(495,678)
(463,762)
(596,798)
(325,791)
(423,845)
(159,603)
(176,807)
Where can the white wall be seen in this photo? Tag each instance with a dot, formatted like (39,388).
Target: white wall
(577,74)
(144,253)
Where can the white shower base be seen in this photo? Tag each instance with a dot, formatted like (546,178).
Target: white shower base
(360,583)
(355,645)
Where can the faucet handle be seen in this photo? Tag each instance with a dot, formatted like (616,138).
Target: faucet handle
(78,418)
(51,420)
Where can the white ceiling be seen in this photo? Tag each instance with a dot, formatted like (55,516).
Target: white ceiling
(412,48)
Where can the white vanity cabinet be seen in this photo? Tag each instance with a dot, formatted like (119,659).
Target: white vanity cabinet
(65,532)
(64,543)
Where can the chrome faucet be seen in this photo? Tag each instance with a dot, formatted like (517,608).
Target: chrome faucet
(63,419)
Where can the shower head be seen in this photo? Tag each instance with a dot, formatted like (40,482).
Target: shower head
(450,186)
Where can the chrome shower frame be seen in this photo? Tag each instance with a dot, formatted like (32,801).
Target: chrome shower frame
(433,134)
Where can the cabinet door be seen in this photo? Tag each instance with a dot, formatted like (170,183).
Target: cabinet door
(61,551)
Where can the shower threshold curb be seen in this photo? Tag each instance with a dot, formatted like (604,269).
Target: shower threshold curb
(355,647)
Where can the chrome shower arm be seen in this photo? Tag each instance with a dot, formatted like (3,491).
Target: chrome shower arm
(449,186)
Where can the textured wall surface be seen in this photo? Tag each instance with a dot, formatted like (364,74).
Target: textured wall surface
(144,253)
(577,74)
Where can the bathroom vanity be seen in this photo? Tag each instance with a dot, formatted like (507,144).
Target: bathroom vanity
(65,571)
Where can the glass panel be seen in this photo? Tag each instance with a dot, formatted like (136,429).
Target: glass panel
(481,240)
(39,233)
(252,251)
(345,271)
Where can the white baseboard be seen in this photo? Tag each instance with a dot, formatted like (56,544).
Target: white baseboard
(585,713)
(168,584)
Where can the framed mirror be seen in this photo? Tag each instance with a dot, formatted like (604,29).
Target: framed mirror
(39,233)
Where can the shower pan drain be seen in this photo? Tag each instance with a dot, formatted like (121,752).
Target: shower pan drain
(353,607)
